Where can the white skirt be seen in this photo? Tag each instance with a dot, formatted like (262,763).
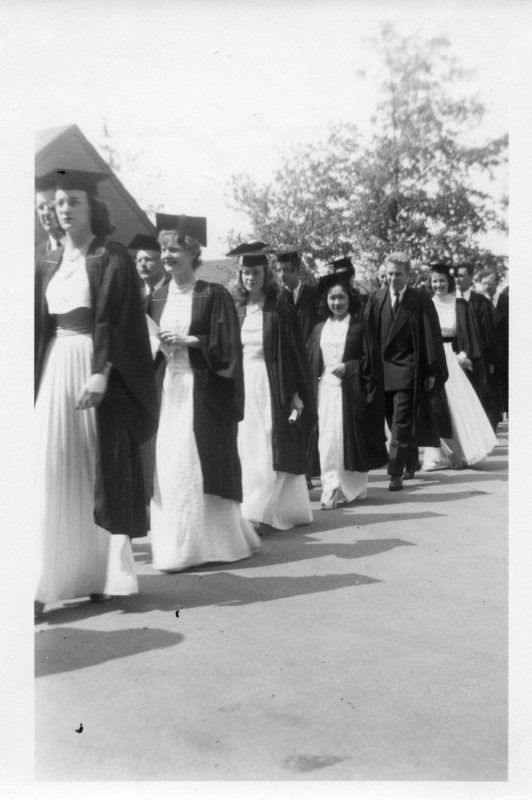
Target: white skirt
(274,498)
(334,476)
(473,438)
(75,557)
(189,527)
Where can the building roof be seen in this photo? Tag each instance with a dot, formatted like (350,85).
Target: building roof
(66,147)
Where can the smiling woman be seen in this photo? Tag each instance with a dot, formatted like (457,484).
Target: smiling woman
(278,390)
(195,511)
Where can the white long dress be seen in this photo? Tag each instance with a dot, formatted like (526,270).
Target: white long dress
(75,556)
(188,527)
(334,476)
(274,498)
(473,438)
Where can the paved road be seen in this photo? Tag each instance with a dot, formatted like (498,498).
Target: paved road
(369,645)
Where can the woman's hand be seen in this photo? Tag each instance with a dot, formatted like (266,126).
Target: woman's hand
(172,339)
(339,371)
(296,404)
(464,361)
(93,392)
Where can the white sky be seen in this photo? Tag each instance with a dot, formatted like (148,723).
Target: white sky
(203,90)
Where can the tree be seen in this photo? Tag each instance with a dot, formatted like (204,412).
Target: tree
(416,183)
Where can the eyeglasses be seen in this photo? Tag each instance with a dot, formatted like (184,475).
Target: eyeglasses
(45,206)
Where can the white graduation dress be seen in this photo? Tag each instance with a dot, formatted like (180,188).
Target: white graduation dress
(275,498)
(472,435)
(75,556)
(334,476)
(188,527)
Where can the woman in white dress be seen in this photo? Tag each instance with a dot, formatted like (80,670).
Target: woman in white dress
(350,394)
(95,404)
(195,512)
(271,439)
(472,436)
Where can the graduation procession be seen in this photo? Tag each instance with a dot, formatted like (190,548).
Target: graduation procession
(206,449)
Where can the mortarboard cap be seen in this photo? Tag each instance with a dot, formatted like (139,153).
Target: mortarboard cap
(288,256)
(195,227)
(253,254)
(441,266)
(342,269)
(143,241)
(68,179)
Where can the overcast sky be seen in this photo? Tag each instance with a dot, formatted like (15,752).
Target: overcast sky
(201,91)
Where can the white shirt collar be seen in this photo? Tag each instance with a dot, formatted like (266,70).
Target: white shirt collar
(401,295)
(466,295)
(297,291)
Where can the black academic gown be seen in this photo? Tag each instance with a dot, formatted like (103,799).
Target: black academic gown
(127,415)
(306,308)
(362,397)
(480,376)
(501,330)
(288,372)
(218,399)
(411,350)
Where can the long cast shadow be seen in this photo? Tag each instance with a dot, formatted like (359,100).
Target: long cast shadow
(66,649)
(190,590)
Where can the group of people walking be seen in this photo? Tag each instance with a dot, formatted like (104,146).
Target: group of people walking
(218,407)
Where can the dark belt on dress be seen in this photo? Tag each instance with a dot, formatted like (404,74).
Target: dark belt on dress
(451,339)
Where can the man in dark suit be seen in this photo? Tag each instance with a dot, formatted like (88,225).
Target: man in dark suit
(403,327)
(45,208)
(149,267)
(301,295)
(500,310)
(481,375)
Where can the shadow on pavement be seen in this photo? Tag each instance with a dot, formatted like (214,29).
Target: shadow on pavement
(189,590)
(66,649)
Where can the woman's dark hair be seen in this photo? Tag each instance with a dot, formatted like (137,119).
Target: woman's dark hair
(450,280)
(355,303)
(190,244)
(270,287)
(100,217)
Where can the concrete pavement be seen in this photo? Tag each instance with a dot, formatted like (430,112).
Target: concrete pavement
(369,645)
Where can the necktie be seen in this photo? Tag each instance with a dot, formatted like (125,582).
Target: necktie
(395,304)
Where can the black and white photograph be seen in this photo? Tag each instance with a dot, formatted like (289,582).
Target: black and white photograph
(257,480)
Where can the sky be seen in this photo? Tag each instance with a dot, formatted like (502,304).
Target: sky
(194,93)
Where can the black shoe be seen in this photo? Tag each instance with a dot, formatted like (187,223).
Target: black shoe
(409,475)
(396,483)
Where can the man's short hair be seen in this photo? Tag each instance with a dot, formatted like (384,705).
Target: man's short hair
(400,259)
(485,273)
(469,268)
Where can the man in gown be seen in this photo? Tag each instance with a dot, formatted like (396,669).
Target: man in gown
(481,375)
(403,324)
(499,301)
(44,205)
(301,295)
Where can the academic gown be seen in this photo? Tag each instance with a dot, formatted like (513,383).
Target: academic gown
(288,372)
(306,308)
(362,397)
(418,313)
(127,415)
(218,395)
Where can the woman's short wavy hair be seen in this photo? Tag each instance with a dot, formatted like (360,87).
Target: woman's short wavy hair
(448,273)
(270,287)
(190,244)
(100,216)
(355,303)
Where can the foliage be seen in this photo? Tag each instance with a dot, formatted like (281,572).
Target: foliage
(416,183)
